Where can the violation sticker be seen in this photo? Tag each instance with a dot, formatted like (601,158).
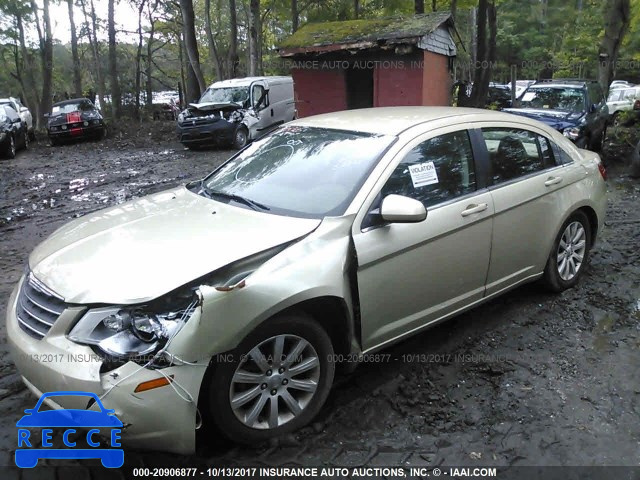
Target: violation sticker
(423,174)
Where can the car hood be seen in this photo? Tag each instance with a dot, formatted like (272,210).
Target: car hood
(142,249)
(207,106)
(557,119)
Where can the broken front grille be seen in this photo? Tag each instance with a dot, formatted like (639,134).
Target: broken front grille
(38,307)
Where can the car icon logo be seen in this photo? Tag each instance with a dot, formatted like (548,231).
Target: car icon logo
(72,422)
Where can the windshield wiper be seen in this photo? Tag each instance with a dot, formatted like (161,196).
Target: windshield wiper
(236,198)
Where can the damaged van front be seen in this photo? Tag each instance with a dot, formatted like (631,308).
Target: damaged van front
(235,112)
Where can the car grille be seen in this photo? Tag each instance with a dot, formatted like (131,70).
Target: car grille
(38,308)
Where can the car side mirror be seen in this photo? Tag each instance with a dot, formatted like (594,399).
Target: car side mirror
(400,209)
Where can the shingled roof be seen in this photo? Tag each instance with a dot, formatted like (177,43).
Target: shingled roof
(362,34)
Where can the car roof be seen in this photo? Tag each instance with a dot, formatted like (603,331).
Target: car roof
(71,100)
(395,120)
(246,81)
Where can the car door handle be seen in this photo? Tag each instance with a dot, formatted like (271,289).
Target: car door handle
(474,208)
(552,181)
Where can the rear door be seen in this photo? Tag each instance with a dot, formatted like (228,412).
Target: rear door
(529,191)
(410,275)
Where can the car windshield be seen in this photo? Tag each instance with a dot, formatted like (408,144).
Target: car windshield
(300,171)
(71,107)
(554,98)
(225,95)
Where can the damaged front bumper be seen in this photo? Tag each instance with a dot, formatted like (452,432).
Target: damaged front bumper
(162,418)
(195,131)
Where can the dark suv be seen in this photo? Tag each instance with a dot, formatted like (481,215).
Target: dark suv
(577,108)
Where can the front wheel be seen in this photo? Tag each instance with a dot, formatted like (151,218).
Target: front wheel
(275,382)
(569,254)
(11,147)
(241,137)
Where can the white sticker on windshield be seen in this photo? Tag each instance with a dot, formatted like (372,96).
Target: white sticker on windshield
(423,174)
(527,97)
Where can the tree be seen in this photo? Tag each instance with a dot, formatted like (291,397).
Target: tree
(419,6)
(46,58)
(232,58)
(295,16)
(116,99)
(77,76)
(255,32)
(92,26)
(191,49)
(486,51)
(617,15)
(213,50)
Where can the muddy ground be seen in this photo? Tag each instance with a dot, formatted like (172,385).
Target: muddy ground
(530,379)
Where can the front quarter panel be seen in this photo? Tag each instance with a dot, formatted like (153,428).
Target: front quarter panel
(317,266)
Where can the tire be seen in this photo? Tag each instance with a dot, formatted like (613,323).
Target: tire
(615,119)
(240,137)
(54,142)
(252,421)
(558,274)
(10,151)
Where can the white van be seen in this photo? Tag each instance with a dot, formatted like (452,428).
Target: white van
(237,111)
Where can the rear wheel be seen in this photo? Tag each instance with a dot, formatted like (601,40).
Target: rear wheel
(276,381)
(569,254)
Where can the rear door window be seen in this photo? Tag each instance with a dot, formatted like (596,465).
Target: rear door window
(516,153)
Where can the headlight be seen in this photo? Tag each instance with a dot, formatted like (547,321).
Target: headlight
(181,117)
(130,332)
(572,133)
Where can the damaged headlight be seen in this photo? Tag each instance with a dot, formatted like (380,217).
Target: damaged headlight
(572,133)
(125,332)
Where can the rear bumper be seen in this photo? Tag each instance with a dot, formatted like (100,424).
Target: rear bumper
(219,132)
(157,419)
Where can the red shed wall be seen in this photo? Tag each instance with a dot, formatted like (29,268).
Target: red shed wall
(394,86)
(436,83)
(319,91)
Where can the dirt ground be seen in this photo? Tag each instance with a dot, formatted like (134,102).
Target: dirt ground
(530,379)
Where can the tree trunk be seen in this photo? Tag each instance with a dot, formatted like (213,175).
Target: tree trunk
(295,16)
(419,6)
(149,59)
(47,64)
(254,32)
(213,51)
(356,9)
(616,16)
(93,42)
(116,100)
(191,47)
(453,8)
(139,58)
(434,5)
(480,88)
(31,99)
(77,76)
(233,60)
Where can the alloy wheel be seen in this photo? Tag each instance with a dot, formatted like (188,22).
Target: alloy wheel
(571,250)
(274,382)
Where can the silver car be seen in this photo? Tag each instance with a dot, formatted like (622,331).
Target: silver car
(229,301)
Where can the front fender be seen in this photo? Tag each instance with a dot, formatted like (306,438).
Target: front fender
(315,267)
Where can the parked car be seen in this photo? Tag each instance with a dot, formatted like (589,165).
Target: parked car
(499,95)
(13,132)
(235,112)
(620,83)
(621,100)
(577,108)
(23,112)
(333,237)
(77,118)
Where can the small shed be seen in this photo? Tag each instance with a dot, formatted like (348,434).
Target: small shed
(371,63)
